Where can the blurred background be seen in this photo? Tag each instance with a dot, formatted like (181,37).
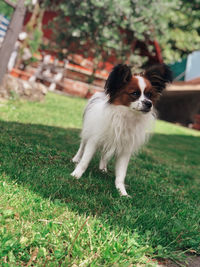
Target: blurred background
(71,46)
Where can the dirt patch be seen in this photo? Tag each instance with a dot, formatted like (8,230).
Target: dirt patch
(192,261)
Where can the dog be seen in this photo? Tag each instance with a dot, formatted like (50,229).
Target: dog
(119,120)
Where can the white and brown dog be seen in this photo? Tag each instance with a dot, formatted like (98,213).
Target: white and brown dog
(118,122)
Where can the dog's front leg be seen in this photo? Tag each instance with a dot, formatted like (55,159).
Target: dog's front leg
(120,172)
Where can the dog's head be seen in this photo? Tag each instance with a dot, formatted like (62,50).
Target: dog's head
(138,92)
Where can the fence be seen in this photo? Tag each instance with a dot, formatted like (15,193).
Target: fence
(4,23)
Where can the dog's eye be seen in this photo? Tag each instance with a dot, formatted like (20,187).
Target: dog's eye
(148,94)
(136,93)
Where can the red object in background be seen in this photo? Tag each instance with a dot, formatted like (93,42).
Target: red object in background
(48,16)
(197,118)
(196,124)
(158,51)
(20,74)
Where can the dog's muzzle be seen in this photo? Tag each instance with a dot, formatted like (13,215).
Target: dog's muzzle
(147,104)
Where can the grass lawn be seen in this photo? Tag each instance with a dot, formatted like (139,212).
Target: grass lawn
(48,218)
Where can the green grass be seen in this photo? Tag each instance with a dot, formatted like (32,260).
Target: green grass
(47,218)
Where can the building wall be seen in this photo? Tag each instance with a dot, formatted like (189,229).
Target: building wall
(179,106)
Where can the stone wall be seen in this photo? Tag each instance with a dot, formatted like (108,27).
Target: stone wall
(14,87)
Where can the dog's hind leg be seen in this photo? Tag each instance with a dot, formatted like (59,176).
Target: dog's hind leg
(88,153)
(79,154)
(103,162)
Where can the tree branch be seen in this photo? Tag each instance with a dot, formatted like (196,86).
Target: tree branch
(10,3)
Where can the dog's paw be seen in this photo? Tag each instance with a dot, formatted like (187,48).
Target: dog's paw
(75,159)
(104,170)
(77,174)
(124,195)
(121,188)
(128,196)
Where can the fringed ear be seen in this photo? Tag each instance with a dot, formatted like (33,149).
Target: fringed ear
(159,75)
(118,78)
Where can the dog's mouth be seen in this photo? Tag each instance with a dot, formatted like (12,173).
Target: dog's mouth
(146,110)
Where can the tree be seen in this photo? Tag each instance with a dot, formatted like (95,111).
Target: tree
(11,35)
(35,33)
(107,27)
(181,32)
(104,28)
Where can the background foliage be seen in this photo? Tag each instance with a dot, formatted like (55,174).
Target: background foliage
(181,34)
(111,26)
(5,9)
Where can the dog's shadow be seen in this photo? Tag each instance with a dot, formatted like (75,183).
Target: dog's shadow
(39,158)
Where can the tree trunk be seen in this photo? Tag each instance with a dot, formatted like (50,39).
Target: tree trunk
(11,37)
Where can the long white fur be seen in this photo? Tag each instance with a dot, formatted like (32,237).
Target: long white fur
(116,130)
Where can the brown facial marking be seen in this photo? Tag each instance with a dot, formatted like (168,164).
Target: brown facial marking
(131,92)
(126,96)
(150,93)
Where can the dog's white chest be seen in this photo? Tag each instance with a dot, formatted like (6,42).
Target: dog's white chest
(124,132)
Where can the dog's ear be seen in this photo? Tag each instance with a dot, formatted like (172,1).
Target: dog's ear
(118,78)
(159,75)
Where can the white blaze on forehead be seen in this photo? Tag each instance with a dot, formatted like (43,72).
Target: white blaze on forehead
(138,104)
(141,83)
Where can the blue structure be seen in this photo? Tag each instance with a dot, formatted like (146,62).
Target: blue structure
(188,68)
(4,23)
(193,66)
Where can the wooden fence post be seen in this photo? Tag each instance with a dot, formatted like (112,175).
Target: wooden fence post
(11,37)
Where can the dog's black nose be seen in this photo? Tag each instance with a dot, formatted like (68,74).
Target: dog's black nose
(147,103)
